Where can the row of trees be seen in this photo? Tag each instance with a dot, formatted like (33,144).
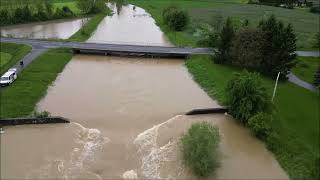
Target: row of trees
(39,12)
(91,6)
(269,48)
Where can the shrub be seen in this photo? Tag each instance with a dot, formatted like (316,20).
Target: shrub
(67,11)
(247,48)
(260,125)
(199,148)
(246,96)
(176,18)
(315,9)
(42,114)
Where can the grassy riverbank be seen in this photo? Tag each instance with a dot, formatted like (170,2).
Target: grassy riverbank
(21,97)
(86,31)
(11,54)
(306,68)
(305,24)
(296,145)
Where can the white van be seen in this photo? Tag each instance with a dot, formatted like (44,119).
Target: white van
(8,77)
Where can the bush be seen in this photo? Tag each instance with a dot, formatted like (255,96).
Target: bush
(247,48)
(246,96)
(315,9)
(199,148)
(67,11)
(42,114)
(260,125)
(176,18)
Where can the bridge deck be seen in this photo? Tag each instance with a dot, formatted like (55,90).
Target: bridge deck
(113,48)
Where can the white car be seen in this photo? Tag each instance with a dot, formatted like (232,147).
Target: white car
(8,77)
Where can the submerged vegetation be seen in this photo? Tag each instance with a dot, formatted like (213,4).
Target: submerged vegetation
(199,148)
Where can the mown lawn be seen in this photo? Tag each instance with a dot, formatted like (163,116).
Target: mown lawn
(12,54)
(297,112)
(306,68)
(21,97)
(305,24)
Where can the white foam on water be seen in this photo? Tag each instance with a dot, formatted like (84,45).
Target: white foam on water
(154,156)
(88,142)
(130,175)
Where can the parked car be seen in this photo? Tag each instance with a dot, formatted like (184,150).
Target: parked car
(8,77)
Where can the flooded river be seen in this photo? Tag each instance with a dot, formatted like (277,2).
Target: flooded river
(58,29)
(126,121)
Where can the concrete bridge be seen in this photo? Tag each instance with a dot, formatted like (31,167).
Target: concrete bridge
(97,48)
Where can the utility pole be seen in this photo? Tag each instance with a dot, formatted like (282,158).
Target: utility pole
(275,87)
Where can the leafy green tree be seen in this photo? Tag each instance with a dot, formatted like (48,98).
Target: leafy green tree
(4,17)
(176,18)
(26,14)
(49,8)
(248,47)
(246,96)
(199,148)
(85,6)
(18,15)
(223,55)
(279,54)
(261,125)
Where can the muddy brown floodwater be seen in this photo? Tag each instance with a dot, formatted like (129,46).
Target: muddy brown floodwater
(58,29)
(126,122)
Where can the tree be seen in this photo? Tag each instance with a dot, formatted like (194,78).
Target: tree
(49,8)
(317,78)
(26,14)
(246,96)
(247,48)
(18,15)
(225,41)
(85,6)
(4,17)
(199,148)
(176,18)
(279,54)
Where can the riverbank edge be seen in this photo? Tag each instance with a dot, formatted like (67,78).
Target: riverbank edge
(18,51)
(85,32)
(288,156)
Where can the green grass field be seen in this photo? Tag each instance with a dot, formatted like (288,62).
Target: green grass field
(306,68)
(21,97)
(297,112)
(4,58)
(11,54)
(305,24)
